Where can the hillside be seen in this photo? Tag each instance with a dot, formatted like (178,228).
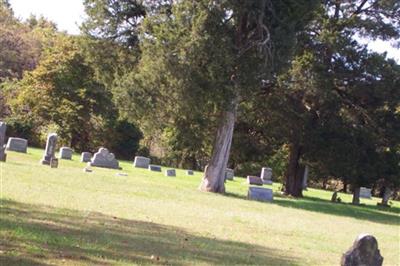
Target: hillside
(65,216)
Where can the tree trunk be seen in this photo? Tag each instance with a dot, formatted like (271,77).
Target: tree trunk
(294,172)
(356,196)
(345,187)
(214,174)
(386,196)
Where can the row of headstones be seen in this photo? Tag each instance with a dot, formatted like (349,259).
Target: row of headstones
(261,193)
(144,162)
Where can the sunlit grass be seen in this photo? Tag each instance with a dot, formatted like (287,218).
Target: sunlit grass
(66,216)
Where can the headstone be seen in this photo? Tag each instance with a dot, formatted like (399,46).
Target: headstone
(50,150)
(66,153)
(364,252)
(86,157)
(305,177)
(170,172)
(229,174)
(121,174)
(259,193)
(3,154)
(254,180)
(365,192)
(141,162)
(189,172)
(155,168)
(334,197)
(103,158)
(17,144)
(54,163)
(266,175)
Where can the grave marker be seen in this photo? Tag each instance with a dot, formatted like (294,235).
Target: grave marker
(50,150)
(66,153)
(17,145)
(103,158)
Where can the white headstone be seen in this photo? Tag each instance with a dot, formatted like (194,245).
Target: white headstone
(141,162)
(260,194)
(17,144)
(86,157)
(266,175)
(103,158)
(66,153)
(365,193)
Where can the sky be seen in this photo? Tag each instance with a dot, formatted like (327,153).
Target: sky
(68,14)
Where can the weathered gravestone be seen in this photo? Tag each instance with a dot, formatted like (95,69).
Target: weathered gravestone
(266,175)
(17,144)
(364,252)
(189,172)
(170,172)
(3,154)
(86,157)
(254,180)
(155,168)
(50,150)
(260,194)
(386,196)
(229,174)
(103,158)
(66,153)
(141,162)
(365,192)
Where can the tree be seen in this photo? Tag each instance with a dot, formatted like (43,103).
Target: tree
(62,91)
(328,77)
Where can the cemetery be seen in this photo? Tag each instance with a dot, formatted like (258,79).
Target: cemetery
(133,215)
(160,132)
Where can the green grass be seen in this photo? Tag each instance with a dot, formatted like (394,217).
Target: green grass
(65,216)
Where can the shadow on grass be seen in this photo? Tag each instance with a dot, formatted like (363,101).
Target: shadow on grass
(370,213)
(38,234)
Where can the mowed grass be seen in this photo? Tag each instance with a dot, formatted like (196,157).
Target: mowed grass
(67,217)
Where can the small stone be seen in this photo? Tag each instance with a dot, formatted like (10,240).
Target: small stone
(170,172)
(121,174)
(189,172)
(155,168)
(87,170)
(254,180)
(141,162)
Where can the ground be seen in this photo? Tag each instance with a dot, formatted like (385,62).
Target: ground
(67,217)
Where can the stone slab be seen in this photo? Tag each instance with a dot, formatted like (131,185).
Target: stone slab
(141,162)
(365,193)
(50,150)
(260,194)
(153,167)
(229,174)
(364,252)
(266,175)
(103,158)
(254,180)
(54,163)
(66,153)
(17,145)
(170,172)
(86,157)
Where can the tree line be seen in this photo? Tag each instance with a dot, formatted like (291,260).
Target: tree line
(239,84)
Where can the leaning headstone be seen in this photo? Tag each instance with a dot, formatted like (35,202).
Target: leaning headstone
(229,174)
(365,193)
(66,153)
(254,180)
(50,150)
(155,168)
(141,162)
(170,172)
(260,194)
(364,252)
(305,177)
(86,157)
(3,154)
(266,175)
(17,144)
(103,158)
(189,172)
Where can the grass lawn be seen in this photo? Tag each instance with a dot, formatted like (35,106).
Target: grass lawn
(67,217)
